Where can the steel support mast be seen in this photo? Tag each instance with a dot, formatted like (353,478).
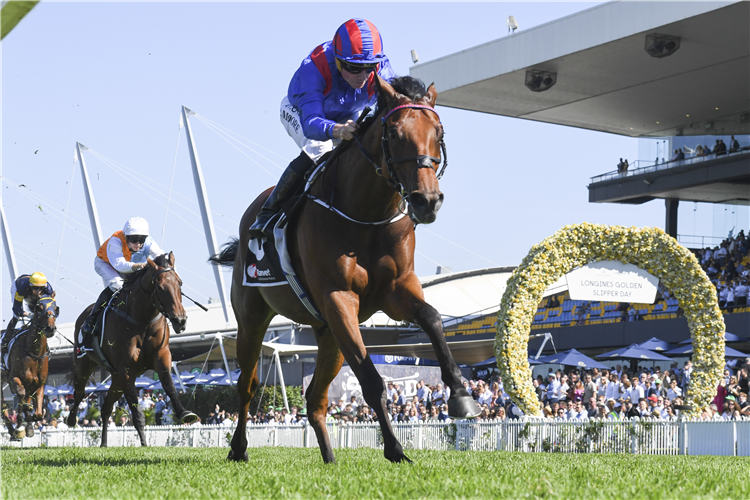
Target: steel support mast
(208,225)
(90,202)
(8,244)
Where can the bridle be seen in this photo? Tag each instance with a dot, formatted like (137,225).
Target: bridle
(35,327)
(155,300)
(423,161)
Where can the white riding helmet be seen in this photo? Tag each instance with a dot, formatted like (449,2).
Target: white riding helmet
(136,226)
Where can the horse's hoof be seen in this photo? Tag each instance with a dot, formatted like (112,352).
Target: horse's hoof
(19,434)
(188,417)
(238,457)
(29,430)
(398,457)
(463,407)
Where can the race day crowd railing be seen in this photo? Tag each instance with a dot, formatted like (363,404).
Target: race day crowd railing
(640,167)
(635,436)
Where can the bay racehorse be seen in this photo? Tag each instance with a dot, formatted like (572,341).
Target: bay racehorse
(135,338)
(354,261)
(28,364)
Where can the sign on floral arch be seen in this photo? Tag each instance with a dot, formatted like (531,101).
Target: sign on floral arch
(574,246)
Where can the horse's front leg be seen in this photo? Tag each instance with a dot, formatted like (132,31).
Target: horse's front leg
(139,419)
(163,364)
(341,310)
(407,302)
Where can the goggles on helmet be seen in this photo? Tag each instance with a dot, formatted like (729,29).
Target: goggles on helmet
(356,69)
(136,238)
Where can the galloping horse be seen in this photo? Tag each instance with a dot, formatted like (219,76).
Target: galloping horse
(354,261)
(135,338)
(28,363)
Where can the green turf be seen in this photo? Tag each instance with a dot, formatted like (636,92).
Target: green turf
(188,473)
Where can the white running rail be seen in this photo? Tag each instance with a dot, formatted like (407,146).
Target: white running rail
(637,436)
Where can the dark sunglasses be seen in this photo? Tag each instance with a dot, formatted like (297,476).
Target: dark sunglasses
(356,69)
(137,239)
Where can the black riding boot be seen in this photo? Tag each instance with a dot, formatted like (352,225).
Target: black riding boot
(88,326)
(289,183)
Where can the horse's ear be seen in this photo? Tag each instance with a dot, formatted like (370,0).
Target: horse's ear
(54,294)
(431,95)
(385,90)
(151,263)
(170,259)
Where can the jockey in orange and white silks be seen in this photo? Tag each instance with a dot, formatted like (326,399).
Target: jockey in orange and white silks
(124,252)
(326,95)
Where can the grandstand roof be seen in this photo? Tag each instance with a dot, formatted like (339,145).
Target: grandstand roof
(605,79)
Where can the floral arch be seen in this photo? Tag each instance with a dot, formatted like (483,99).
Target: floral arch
(577,245)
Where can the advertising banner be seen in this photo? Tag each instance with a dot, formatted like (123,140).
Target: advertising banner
(612,281)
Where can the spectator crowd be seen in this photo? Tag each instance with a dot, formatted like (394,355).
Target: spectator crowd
(726,266)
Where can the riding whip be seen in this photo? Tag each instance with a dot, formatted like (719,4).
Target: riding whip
(196,303)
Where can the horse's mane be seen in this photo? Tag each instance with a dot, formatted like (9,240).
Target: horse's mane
(408,86)
(131,278)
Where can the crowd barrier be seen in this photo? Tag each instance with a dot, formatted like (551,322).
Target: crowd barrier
(637,436)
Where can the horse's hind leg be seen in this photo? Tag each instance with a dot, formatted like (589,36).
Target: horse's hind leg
(162,365)
(139,419)
(22,411)
(82,369)
(114,393)
(9,424)
(327,367)
(250,332)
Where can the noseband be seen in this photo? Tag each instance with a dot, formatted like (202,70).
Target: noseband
(423,161)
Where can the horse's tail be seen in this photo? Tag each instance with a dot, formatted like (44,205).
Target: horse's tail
(227,254)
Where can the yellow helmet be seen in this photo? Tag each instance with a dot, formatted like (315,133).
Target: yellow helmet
(38,279)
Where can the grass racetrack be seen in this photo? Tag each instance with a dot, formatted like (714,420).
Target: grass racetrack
(190,473)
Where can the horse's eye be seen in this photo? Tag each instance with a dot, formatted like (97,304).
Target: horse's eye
(393,133)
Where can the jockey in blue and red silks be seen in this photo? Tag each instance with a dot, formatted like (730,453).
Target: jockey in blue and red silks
(326,96)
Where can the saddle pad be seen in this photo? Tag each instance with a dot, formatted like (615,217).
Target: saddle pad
(267,263)
(10,347)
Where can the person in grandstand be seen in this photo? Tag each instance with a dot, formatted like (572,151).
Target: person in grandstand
(326,95)
(124,252)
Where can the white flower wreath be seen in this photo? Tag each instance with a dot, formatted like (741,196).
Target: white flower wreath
(577,245)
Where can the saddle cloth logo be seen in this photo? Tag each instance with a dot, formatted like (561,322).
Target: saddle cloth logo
(262,266)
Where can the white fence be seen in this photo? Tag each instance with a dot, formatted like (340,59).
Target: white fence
(649,437)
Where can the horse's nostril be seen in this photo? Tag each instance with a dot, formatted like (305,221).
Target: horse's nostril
(418,200)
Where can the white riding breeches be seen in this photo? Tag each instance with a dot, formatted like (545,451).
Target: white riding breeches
(110,277)
(292,121)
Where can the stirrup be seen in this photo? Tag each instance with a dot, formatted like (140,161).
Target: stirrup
(81,351)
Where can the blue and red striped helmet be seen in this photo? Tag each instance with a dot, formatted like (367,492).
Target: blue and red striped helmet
(358,41)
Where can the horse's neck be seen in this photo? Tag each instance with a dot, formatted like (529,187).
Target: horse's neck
(139,304)
(359,192)
(36,341)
